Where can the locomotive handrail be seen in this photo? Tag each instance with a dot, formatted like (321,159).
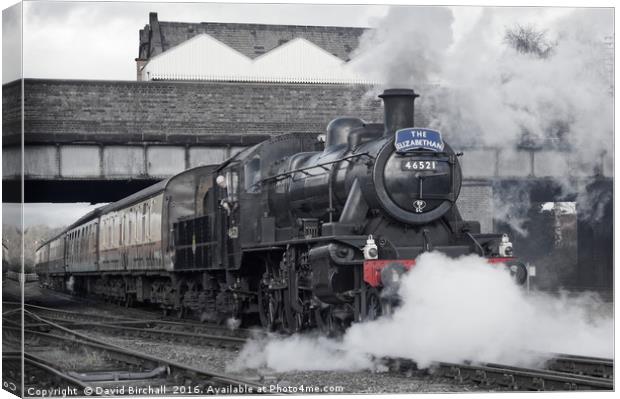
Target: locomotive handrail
(303,170)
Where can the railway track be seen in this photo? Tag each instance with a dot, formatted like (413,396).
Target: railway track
(560,373)
(158,330)
(41,377)
(153,332)
(135,367)
(68,314)
(82,320)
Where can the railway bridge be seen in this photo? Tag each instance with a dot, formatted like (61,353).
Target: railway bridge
(99,141)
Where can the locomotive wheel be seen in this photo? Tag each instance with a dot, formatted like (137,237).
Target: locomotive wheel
(373,304)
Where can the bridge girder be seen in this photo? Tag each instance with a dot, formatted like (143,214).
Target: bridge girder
(75,172)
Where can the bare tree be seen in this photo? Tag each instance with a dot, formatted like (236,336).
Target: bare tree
(33,237)
(529,40)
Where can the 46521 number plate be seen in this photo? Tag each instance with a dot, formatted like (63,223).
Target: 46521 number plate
(418,165)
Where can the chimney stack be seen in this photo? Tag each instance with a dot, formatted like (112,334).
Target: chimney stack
(398,106)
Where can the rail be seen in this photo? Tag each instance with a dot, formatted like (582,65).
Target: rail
(177,370)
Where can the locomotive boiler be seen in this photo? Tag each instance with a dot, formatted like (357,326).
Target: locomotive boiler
(295,232)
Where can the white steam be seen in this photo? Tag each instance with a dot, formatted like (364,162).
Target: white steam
(453,310)
(408,47)
(512,208)
(478,90)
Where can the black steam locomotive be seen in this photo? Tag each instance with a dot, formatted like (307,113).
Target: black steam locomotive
(294,232)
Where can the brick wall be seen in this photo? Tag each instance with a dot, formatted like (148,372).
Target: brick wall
(180,112)
(475,203)
(11,109)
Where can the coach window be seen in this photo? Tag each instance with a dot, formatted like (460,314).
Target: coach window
(103,228)
(136,224)
(110,232)
(129,229)
(77,246)
(86,241)
(144,207)
(252,175)
(148,230)
(82,243)
(91,238)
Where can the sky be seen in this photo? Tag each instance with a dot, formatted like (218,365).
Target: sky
(39,213)
(99,40)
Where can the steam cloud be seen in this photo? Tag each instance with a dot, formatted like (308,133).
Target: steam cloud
(477,89)
(453,310)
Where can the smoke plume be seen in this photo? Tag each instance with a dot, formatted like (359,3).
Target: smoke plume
(488,86)
(453,310)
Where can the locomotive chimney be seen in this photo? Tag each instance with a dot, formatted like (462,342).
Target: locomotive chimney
(398,105)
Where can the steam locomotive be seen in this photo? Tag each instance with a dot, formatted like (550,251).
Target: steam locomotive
(292,233)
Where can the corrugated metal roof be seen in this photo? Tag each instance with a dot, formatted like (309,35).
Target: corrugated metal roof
(205,58)
(252,40)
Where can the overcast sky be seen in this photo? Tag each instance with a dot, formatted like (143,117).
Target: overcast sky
(99,40)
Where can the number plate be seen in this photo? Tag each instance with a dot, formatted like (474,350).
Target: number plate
(418,165)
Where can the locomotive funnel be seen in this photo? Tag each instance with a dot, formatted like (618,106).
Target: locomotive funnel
(398,105)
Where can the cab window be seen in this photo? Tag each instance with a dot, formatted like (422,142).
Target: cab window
(252,175)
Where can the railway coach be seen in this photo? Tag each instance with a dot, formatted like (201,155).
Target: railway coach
(125,251)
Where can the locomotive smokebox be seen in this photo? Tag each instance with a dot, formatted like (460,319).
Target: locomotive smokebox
(398,105)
